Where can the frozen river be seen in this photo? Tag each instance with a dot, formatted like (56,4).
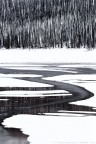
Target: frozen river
(68,117)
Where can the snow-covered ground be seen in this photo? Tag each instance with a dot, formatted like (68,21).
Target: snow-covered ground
(55,129)
(41,94)
(48,56)
(19,75)
(11,82)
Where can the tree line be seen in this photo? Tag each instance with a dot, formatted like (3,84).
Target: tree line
(47,23)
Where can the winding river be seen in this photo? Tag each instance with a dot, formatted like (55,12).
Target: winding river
(11,136)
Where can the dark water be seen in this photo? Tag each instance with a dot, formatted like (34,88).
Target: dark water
(12,136)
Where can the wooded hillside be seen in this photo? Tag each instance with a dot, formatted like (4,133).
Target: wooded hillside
(47,23)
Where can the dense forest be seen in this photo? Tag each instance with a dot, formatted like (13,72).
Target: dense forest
(47,23)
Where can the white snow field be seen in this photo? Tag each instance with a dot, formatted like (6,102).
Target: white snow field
(41,93)
(47,56)
(55,129)
(11,82)
(18,75)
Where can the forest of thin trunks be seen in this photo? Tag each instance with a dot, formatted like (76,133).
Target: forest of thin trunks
(47,23)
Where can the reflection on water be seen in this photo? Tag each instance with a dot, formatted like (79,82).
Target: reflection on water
(64,108)
(42,105)
(12,136)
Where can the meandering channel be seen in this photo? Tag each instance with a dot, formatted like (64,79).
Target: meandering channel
(78,93)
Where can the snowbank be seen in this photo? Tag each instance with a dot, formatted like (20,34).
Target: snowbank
(41,94)
(18,75)
(48,56)
(54,129)
(11,82)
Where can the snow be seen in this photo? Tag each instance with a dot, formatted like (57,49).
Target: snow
(55,129)
(4,99)
(34,95)
(48,56)
(35,92)
(71,78)
(12,64)
(41,94)
(76,65)
(11,82)
(19,75)
(85,80)
(64,114)
(72,112)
